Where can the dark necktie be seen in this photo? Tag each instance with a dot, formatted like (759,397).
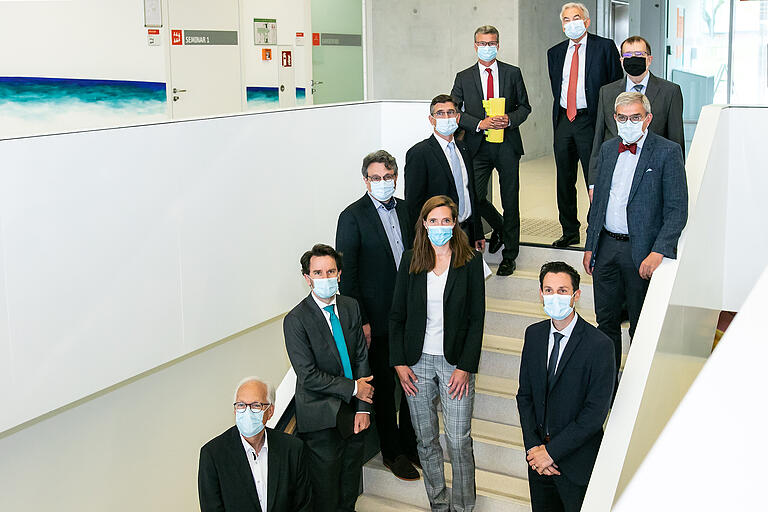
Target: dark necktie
(552,366)
(638,88)
(632,148)
(338,337)
(390,204)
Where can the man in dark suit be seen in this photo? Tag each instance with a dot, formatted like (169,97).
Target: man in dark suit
(665,97)
(442,166)
(250,467)
(640,207)
(372,234)
(490,78)
(578,68)
(326,345)
(566,386)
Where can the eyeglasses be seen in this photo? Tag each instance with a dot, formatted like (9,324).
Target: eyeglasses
(635,118)
(443,113)
(377,179)
(254,406)
(487,43)
(634,54)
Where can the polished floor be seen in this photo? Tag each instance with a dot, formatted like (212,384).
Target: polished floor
(538,202)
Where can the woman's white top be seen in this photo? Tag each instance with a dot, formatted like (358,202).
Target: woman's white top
(433,337)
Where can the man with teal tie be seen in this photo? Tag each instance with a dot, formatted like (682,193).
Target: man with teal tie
(326,345)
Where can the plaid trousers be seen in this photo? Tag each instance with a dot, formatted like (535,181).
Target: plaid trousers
(433,373)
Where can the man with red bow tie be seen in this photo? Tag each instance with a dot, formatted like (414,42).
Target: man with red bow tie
(640,207)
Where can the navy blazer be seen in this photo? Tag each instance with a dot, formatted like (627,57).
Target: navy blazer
(369,265)
(603,66)
(468,90)
(225,481)
(578,400)
(321,386)
(428,174)
(657,209)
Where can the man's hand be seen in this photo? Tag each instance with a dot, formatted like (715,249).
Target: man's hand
(650,264)
(367,334)
(365,390)
(458,384)
(540,461)
(500,122)
(486,124)
(480,245)
(407,379)
(587,262)
(362,422)
(591,194)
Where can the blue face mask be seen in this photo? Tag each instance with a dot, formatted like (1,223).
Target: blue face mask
(558,306)
(383,190)
(446,126)
(325,288)
(439,235)
(574,29)
(249,423)
(630,132)
(487,53)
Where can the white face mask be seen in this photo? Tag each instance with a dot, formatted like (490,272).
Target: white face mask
(383,190)
(557,306)
(574,29)
(630,132)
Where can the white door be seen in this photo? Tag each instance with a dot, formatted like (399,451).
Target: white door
(286,76)
(205,58)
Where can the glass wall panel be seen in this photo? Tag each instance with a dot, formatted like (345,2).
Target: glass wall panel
(749,76)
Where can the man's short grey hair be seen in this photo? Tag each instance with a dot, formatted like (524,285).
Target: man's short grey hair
(379,157)
(630,98)
(578,5)
(270,388)
(487,29)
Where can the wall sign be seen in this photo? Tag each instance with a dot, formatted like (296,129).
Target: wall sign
(341,39)
(264,31)
(176,37)
(153,37)
(299,38)
(286,59)
(266,54)
(210,37)
(315,38)
(153,13)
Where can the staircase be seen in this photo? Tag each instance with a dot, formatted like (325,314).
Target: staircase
(512,303)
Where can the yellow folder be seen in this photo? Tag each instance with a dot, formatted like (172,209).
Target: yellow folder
(494,107)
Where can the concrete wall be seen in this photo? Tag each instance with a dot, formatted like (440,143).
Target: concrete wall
(136,445)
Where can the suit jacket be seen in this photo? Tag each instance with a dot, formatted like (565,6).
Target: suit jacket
(603,66)
(321,386)
(463,315)
(666,106)
(225,481)
(428,174)
(657,209)
(369,264)
(577,402)
(468,90)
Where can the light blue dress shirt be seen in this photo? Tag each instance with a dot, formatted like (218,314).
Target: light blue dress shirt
(621,184)
(391,227)
(630,85)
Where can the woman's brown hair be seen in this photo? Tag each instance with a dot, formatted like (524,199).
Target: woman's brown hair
(423,259)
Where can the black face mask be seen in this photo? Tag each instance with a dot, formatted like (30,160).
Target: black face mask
(634,66)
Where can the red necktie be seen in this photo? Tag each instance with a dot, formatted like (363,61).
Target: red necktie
(573,80)
(490,84)
(632,148)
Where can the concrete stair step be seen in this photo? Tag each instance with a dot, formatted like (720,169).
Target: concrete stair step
(495,400)
(532,258)
(524,285)
(371,503)
(495,492)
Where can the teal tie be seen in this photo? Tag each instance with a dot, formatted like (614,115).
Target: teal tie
(338,337)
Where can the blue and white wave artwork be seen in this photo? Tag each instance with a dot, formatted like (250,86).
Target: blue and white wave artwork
(31,105)
(267,98)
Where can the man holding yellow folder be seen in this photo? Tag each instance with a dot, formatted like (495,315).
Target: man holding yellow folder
(499,86)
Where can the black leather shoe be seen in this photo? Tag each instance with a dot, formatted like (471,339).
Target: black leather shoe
(507,267)
(566,240)
(402,468)
(414,458)
(495,243)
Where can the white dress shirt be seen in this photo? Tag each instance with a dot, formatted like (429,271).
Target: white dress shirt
(465,177)
(433,336)
(327,316)
(563,341)
(621,184)
(484,78)
(630,86)
(581,95)
(259,463)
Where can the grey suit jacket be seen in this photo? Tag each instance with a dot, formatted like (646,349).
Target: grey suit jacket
(657,209)
(320,382)
(666,106)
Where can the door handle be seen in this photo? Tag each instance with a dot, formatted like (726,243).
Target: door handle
(175,98)
(175,90)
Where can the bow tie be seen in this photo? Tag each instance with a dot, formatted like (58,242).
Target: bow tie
(632,148)
(390,204)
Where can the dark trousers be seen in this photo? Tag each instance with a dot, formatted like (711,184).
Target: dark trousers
(616,281)
(335,466)
(573,143)
(394,440)
(554,493)
(506,161)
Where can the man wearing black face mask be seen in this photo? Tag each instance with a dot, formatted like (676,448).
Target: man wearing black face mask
(665,97)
